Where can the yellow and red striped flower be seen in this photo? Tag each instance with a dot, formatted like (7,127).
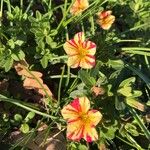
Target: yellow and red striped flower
(80,52)
(81,121)
(105,19)
(79,6)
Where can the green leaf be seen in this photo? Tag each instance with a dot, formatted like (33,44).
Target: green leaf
(29,116)
(119,104)
(125,91)
(116,64)
(82,147)
(18,56)
(86,79)
(8,64)
(24,128)
(131,129)
(38,15)
(127,82)
(18,117)
(49,40)
(135,104)
(44,61)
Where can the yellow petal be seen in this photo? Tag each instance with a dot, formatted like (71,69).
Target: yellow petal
(84,104)
(90,46)
(107,22)
(94,117)
(79,38)
(73,61)
(69,113)
(79,6)
(70,47)
(87,62)
(75,130)
(90,134)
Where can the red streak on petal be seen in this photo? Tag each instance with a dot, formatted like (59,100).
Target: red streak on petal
(91,63)
(69,136)
(81,135)
(75,104)
(70,110)
(88,138)
(73,43)
(92,45)
(74,120)
(90,56)
(94,111)
(104,14)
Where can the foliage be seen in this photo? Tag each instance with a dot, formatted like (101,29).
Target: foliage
(118,86)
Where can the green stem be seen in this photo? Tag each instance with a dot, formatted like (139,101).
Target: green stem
(60,84)
(9,9)
(147,62)
(65,76)
(1,12)
(19,103)
(65,12)
(30,4)
(21,4)
(125,141)
(92,25)
(140,123)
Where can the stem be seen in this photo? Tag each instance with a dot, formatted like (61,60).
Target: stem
(65,76)
(125,141)
(30,4)
(92,25)
(64,13)
(140,123)
(21,4)
(19,103)
(147,62)
(60,84)
(9,9)
(1,12)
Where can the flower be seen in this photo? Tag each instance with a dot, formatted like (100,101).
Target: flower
(81,121)
(80,52)
(79,6)
(105,19)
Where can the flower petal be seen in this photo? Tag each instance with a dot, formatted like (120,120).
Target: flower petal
(70,47)
(79,6)
(107,22)
(95,117)
(73,61)
(69,112)
(84,104)
(87,62)
(104,14)
(75,130)
(90,134)
(90,46)
(79,38)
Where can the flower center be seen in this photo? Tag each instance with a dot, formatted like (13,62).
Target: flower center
(82,52)
(84,118)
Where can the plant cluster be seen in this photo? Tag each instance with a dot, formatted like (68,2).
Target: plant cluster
(76,69)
